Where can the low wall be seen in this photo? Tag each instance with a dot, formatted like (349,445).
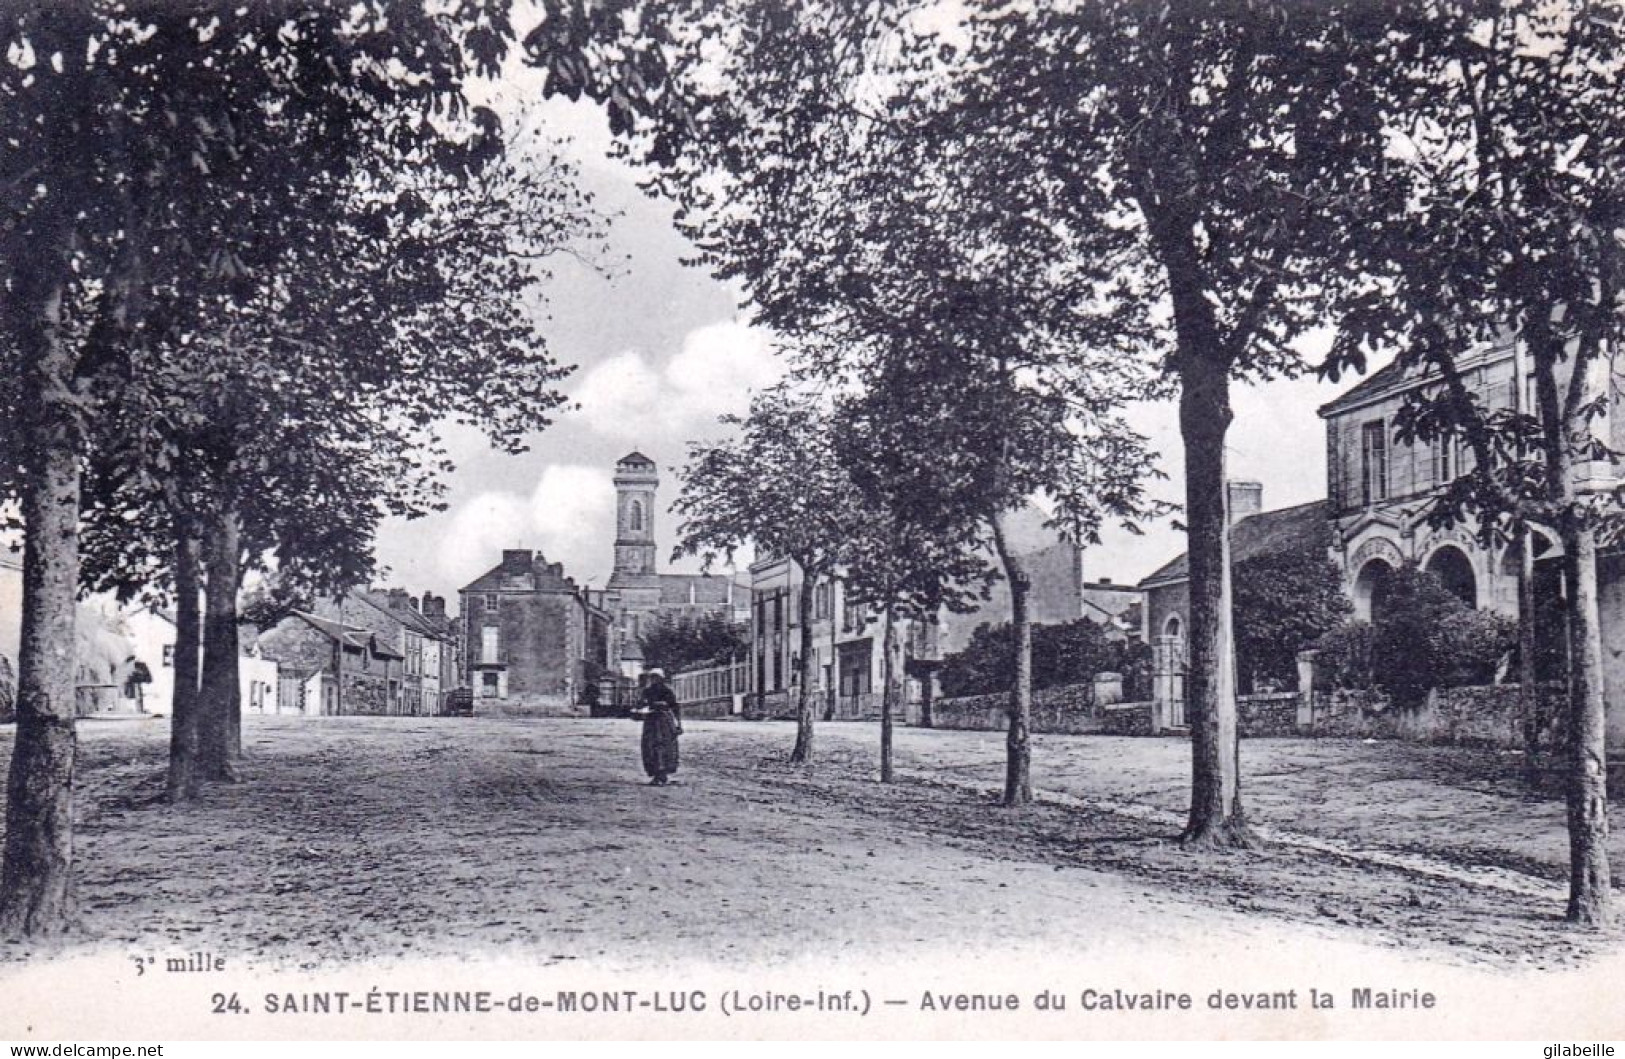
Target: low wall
(1068,709)
(1127,718)
(1265,715)
(1482,716)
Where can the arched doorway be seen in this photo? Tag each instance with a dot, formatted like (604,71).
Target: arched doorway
(1371,589)
(1452,567)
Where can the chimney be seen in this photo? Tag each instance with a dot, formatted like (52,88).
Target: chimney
(434,606)
(516,560)
(1243,499)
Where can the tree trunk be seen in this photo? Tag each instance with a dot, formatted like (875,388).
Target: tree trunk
(220,708)
(803,752)
(1216,817)
(1018,782)
(36,878)
(1529,712)
(887,694)
(833,692)
(184,724)
(1587,773)
(928,695)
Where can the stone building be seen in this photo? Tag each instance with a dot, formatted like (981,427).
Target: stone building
(1253,533)
(638,594)
(535,640)
(1379,492)
(329,668)
(1378,488)
(412,626)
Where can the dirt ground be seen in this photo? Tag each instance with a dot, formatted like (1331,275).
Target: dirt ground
(355,839)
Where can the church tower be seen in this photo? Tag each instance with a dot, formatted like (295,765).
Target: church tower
(636,479)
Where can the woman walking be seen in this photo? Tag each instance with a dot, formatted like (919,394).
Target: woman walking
(662,724)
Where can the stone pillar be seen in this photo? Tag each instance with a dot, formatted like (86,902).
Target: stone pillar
(1164,660)
(1306,689)
(1108,689)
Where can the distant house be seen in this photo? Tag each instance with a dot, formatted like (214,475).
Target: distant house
(534,639)
(1253,533)
(422,640)
(1120,608)
(848,658)
(330,668)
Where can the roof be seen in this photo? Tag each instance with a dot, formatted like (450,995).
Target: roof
(349,635)
(538,575)
(635,457)
(410,617)
(1393,378)
(1266,533)
(1370,386)
(709,589)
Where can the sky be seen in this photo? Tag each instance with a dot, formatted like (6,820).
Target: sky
(662,349)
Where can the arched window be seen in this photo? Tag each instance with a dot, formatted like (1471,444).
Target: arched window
(1451,566)
(1171,627)
(634,519)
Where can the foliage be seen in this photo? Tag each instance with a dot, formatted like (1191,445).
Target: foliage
(1067,653)
(776,485)
(8,690)
(1284,602)
(1424,637)
(689,641)
(1473,645)
(1345,653)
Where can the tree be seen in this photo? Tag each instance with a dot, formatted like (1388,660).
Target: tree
(874,243)
(777,486)
(1407,650)
(1183,163)
(1284,602)
(289,419)
(157,125)
(686,641)
(1493,214)
(904,560)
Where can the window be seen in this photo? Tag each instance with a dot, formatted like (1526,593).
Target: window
(1445,463)
(489,644)
(821,600)
(491,602)
(634,518)
(1374,462)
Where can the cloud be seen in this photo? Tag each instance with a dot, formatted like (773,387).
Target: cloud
(479,531)
(573,514)
(570,518)
(719,365)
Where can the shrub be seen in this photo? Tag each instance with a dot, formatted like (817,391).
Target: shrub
(1068,653)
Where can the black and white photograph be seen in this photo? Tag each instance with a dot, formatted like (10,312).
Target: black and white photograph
(812,519)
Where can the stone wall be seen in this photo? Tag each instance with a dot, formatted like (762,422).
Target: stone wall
(1266,715)
(1484,716)
(1068,708)
(1127,718)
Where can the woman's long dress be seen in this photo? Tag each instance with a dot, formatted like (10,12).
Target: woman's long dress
(660,742)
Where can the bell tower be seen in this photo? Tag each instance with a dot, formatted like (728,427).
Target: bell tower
(636,479)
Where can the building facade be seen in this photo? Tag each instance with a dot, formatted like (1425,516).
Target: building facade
(329,668)
(848,638)
(535,640)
